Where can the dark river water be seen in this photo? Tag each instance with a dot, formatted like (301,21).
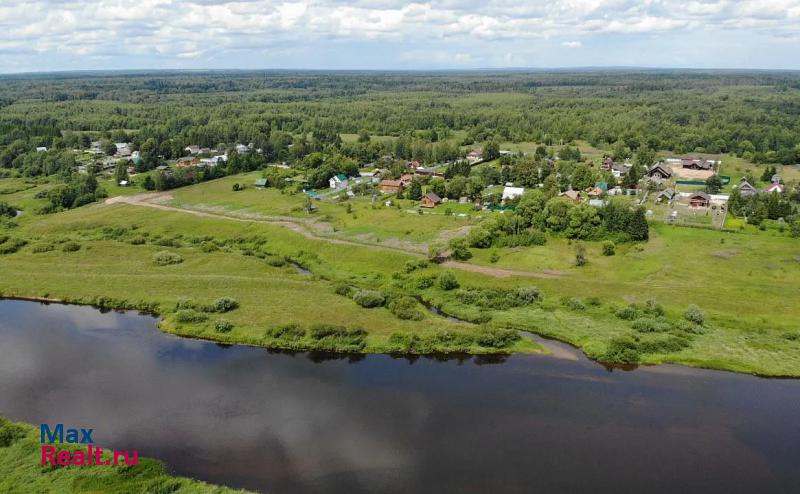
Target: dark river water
(281,423)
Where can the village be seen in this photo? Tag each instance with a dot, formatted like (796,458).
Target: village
(680,190)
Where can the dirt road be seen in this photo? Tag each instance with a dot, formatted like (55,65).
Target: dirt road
(157,200)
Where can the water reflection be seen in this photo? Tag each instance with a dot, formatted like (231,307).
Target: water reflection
(315,422)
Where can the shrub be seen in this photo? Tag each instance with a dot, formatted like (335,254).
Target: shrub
(448,281)
(580,254)
(10,245)
(225,304)
(10,432)
(426,281)
(459,250)
(138,240)
(687,327)
(499,298)
(654,308)
(406,308)
(628,313)
(343,289)
(609,248)
(573,303)
(43,247)
(694,314)
(594,301)
(287,332)
(166,258)
(651,325)
(208,247)
(339,338)
(497,338)
(222,326)
(71,247)
(190,316)
(369,298)
(622,350)
(412,266)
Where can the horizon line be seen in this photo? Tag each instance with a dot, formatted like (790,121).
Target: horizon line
(577,68)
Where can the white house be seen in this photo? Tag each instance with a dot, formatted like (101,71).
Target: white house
(123,149)
(337,181)
(512,192)
(41,149)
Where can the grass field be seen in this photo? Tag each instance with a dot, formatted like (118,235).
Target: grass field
(746,283)
(21,471)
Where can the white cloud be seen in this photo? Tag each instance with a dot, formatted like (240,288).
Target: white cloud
(171,32)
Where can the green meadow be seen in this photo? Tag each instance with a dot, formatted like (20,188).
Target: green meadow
(745,283)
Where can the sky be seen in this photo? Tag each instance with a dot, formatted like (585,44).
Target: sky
(55,35)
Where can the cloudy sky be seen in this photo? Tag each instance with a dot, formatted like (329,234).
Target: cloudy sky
(46,35)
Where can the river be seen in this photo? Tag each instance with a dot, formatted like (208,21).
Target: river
(286,423)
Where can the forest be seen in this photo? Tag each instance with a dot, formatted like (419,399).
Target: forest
(288,115)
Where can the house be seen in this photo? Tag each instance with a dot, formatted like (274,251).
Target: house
(474,156)
(241,148)
(414,165)
(123,149)
(188,161)
(665,195)
(746,190)
(41,149)
(337,181)
(406,179)
(607,164)
(602,186)
(510,192)
(261,183)
(696,164)
(619,170)
(660,170)
(193,149)
(776,188)
(776,179)
(391,186)
(428,172)
(594,192)
(574,196)
(699,200)
(430,200)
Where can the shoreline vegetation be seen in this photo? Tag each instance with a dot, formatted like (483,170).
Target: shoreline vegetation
(418,301)
(359,300)
(21,470)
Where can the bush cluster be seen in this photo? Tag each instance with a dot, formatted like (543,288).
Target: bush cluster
(10,245)
(499,298)
(166,258)
(369,298)
(71,247)
(223,326)
(405,307)
(190,316)
(338,338)
(446,341)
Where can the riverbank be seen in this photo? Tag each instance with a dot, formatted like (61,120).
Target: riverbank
(113,256)
(21,471)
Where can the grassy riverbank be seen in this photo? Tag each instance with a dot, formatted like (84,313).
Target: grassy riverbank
(21,471)
(745,284)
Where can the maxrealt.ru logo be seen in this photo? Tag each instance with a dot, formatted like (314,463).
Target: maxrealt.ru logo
(91,456)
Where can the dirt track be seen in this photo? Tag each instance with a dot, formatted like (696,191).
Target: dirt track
(156,200)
